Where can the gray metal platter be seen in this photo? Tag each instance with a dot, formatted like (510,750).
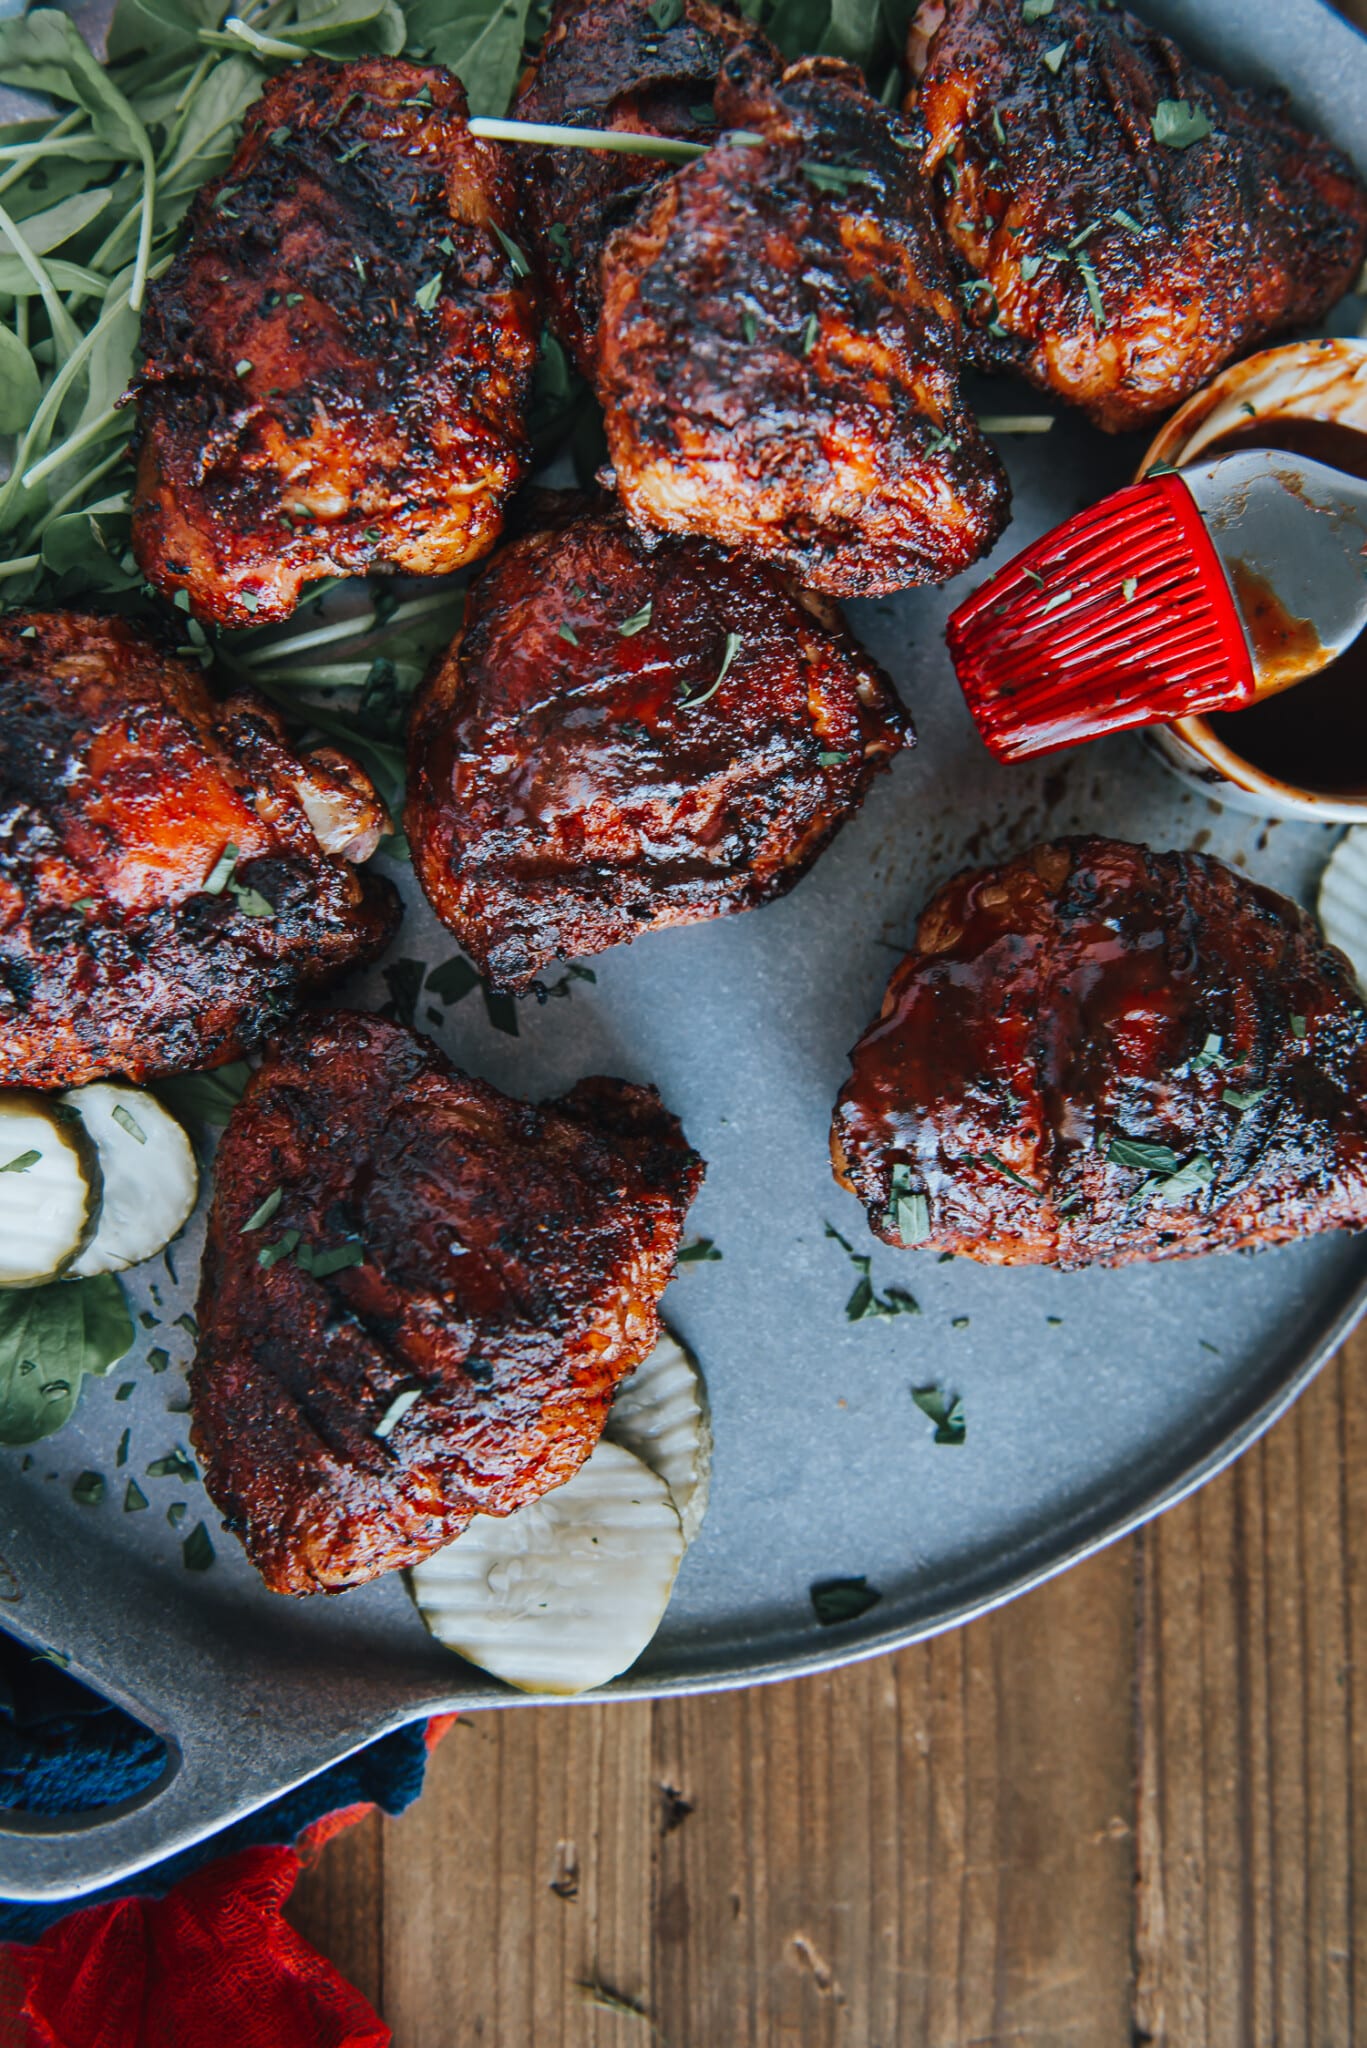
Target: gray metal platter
(1093,1400)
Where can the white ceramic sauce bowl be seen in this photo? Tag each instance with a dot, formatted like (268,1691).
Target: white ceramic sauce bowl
(1319,380)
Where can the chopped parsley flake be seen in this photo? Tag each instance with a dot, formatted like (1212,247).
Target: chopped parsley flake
(568,633)
(837,1600)
(638,621)
(833,177)
(731,650)
(1129,587)
(1054,58)
(242,366)
(521,267)
(1210,1055)
(126,1121)
(1242,1098)
(263,1215)
(1177,124)
(946,1414)
(701,1249)
(21,1162)
(1126,221)
(426,296)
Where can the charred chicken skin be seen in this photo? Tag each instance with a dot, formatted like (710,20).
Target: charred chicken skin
(452,1285)
(1126,222)
(1098,1054)
(626,738)
(336,365)
(780,346)
(609,64)
(174,879)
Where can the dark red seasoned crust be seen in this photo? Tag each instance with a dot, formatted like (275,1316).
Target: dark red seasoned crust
(1123,271)
(514,1254)
(781,342)
(122,782)
(609,64)
(566,794)
(1088,999)
(336,367)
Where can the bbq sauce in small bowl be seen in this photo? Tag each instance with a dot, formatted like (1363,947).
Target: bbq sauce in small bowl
(1313,735)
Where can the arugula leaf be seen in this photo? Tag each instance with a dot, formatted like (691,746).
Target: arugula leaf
(837,1600)
(50,1337)
(20,388)
(205,1098)
(1138,1152)
(481,44)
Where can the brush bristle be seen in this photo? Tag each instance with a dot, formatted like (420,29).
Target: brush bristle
(1121,617)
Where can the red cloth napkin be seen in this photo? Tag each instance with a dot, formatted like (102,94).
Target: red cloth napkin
(214,1964)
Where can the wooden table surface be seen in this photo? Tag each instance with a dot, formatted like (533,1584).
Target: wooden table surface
(1125,1810)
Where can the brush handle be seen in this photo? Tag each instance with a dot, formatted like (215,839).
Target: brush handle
(1121,617)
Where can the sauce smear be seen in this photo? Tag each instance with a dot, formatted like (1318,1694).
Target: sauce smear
(1315,735)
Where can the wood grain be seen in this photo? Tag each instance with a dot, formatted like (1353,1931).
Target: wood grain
(1129,1809)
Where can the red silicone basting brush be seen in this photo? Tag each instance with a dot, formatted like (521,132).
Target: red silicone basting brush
(1194,591)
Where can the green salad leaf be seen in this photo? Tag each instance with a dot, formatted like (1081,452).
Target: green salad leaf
(50,1337)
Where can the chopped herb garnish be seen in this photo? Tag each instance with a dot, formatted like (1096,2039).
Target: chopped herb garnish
(1129,587)
(1054,58)
(189,1325)
(294,298)
(197,1551)
(959,1322)
(638,621)
(1210,1055)
(395,1412)
(124,1390)
(1141,1154)
(1197,1173)
(837,1600)
(133,1498)
(697,1252)
(521,267)
(121,1454)
(997,128)
(865,1303)
(176,1513)
(126,1121)
(665,13)
(1126,220)
(1054,1322)
(1177,124)
(946,1414)
(559,237)
(1298,1027)
(568,633)
(1251,410)
(1087,268)
(158,1361)
(1053,603)
(1030,267)
(21,1162)
(426,296)
(85,902)
(177,1464)
(242,367)
(833,177)
(280,136)
(221,873)
(908,1210)
(271,1254)
(1242,1098)
(334,1260)
(809,334)
(264,1214)
(830,757)
(748,327)
(349,156)
(1000,1166)
(1035,10)
(731,650)
(89,1489)
(1034,576)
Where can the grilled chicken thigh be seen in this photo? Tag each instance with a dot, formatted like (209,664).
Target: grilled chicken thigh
(1126,222)
(430,1321)
(609,64)
(1098,1054)
(626,738)
(780,346)
(174,879)
(336,365)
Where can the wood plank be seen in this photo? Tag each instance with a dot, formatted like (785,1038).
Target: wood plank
(930,1850)
(522,1874)
(338,1905)
(1250,1851)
